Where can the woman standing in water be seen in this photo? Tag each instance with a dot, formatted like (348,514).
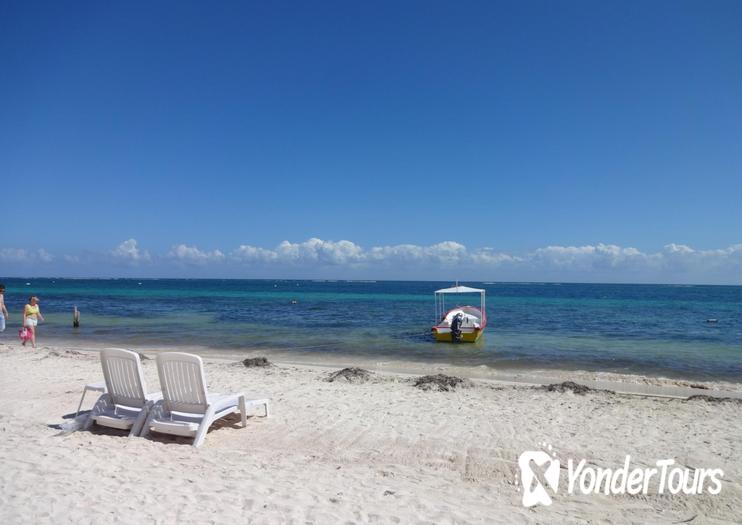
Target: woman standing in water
(31,317)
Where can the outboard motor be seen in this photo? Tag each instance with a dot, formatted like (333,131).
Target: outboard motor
(456,322)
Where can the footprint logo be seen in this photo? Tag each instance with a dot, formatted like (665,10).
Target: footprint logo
(534,493)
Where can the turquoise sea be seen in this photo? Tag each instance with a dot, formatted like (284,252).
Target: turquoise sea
(648,329)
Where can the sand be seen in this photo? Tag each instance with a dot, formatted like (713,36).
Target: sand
(379,450)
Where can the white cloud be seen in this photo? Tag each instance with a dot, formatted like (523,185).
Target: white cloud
(129,251)
(249,253)
(400,252)
(323,252)
(600,256)
(192,254)
(682,249)
(589,259)
(20,255)
(44,256)
(344,258)
(445,253)
(332,253)
(488,256)
(13,255)
(679,257)
(313,251)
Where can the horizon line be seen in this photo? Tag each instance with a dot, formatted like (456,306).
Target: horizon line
(369,280)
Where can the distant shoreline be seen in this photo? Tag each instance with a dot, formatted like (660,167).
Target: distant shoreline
(631,383)
(364,281)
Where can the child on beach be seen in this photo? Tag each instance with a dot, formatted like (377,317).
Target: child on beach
(31,317)
(3,310)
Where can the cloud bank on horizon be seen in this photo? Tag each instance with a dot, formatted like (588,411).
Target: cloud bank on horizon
(448,260)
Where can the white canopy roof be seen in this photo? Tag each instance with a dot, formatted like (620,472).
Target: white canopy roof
(460,289)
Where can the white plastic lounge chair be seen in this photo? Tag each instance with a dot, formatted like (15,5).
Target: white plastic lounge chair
(125,405)
(187,409)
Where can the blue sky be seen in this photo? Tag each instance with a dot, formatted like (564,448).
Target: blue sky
(538,133)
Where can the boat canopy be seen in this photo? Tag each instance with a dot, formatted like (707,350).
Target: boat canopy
(460,289)
(440,303)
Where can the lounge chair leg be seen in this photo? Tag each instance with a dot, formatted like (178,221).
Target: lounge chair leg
(156,411)
(243,411)
(81,400)
(203,428)
(145,428)
(267,412)
(136,428)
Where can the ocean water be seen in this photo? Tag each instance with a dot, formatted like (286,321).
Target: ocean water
(648,329)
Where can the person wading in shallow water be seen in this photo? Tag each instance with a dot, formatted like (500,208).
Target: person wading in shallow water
(31,317)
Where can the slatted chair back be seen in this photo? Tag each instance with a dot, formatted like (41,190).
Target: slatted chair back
(183,382)
(122,371)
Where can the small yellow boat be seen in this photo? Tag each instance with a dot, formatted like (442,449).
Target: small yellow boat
(463,324)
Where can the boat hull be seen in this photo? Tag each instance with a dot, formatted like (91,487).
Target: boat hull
(444,335)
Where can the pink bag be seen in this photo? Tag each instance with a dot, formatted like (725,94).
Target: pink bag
(25,334)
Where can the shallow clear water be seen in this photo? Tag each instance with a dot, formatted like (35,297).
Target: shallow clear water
(650,329)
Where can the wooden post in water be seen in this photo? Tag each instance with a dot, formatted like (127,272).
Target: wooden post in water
(75,318)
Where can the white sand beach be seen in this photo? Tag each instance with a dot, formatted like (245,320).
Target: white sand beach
(381,451)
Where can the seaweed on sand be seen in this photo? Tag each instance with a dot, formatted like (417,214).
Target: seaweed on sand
(256,362)
(441,382)
(712,399)
(571,386)
(350,375)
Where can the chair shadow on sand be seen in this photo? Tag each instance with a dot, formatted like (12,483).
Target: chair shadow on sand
(229,421)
